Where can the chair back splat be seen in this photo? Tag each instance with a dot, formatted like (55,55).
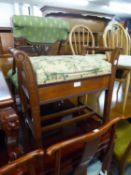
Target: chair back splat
(24,165)
(96,155)
(79,37)
(116,36)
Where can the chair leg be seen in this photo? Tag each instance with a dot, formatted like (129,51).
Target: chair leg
(126,91)
(86,99)
(118,88)
(121,168)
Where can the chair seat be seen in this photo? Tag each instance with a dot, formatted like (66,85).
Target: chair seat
(124,61)
(52,69)
(123,138)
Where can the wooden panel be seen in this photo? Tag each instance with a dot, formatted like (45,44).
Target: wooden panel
(6,41)
(96,22)
(55,92)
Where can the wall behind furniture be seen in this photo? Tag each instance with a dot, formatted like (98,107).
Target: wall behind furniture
(6,11)
(9,9)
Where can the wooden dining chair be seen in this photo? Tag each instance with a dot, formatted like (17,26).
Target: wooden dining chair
(97,153)
(116,36)
(79,36)
(35,43)
(24,165)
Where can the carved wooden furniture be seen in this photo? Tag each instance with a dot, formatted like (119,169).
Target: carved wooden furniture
(98,148)
(9,120)
(24,164)
(33,94)
(116,36)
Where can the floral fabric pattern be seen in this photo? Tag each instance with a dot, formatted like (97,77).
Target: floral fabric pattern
(51,69)
(40,29)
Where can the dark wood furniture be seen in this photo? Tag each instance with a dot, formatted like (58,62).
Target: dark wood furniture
(98,145)
(6,41)
(33,95)
(24,165)
(9,134)
(9,121)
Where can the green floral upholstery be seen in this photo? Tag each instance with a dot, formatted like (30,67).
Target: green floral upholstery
(51,69)
(40,29)
(123,138)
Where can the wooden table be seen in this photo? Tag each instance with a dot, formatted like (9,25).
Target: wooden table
(5,95)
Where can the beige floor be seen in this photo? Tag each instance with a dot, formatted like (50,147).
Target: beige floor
(116,108)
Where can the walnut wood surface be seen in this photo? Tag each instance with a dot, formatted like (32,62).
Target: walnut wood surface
(93,147)
(62,90)
(86,137)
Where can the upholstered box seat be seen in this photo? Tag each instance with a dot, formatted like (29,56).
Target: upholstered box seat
(52,69)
